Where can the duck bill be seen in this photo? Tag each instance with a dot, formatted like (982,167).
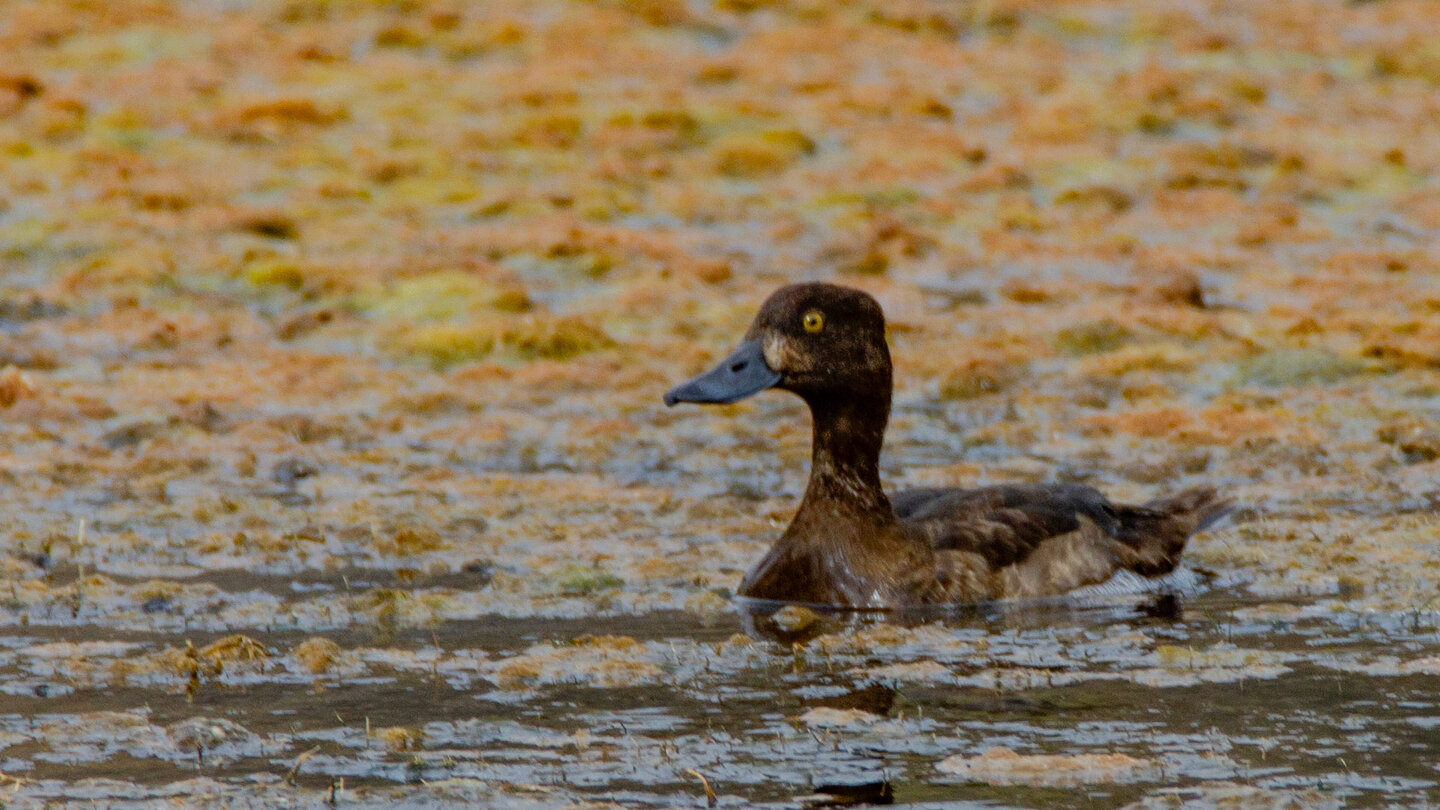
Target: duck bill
(736,377)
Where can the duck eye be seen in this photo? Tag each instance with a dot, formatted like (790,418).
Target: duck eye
(813,321)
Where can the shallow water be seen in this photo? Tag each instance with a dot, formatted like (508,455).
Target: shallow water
(1212,692)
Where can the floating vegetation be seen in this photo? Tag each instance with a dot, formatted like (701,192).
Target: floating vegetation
(756,155)
(1281,368)
(582,580)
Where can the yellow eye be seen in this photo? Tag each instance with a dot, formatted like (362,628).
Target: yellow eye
(813,321)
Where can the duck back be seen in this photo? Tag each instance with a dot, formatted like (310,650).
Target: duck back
(1033,540)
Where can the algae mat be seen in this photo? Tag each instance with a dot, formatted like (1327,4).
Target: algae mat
(333,334)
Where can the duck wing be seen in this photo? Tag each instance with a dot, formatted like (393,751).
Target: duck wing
(1004,523)
(1026,540)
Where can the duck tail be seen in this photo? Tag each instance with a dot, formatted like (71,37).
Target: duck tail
(1157,530)
(1203,505)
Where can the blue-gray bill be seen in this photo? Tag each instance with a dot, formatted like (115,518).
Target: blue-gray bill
(739,375)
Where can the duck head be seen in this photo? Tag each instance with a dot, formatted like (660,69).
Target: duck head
(820,341)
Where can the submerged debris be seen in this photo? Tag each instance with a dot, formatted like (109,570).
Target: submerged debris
(14,386)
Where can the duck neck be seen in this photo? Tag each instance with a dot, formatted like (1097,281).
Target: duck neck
(849,431)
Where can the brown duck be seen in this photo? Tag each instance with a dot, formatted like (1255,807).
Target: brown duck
(852,545)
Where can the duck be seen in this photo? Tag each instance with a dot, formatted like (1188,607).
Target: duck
(851,545)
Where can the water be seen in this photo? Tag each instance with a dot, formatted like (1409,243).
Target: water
(1211,692)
